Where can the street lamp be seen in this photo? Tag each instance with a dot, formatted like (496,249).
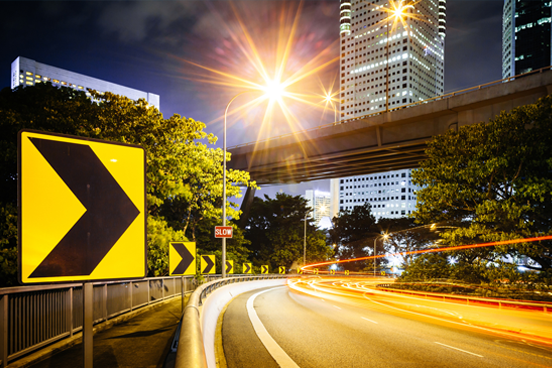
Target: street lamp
(274,90)
(384,236)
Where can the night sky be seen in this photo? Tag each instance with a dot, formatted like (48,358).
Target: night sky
(153,46)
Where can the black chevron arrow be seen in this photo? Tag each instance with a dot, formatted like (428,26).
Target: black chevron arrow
(210,264)
(265,269)
(246,268)
(228,267)
(109,211)
(187,258)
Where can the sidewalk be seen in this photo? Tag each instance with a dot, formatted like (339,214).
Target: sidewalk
(141,342)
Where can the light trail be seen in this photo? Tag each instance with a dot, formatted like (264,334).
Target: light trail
(433,250)
(515,324)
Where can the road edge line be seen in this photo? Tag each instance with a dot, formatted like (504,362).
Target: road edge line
(277,353)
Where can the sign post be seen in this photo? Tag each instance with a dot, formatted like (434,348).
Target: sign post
(82,206)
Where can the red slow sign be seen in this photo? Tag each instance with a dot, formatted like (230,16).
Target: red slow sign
(223,231)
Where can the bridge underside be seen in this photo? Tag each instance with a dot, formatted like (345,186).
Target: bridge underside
(383,142)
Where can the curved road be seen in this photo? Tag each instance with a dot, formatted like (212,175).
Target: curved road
(336,323)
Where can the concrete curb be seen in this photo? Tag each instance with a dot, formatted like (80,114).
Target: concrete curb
(67,343)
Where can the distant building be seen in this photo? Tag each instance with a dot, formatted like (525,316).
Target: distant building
(391,193)
(27,72)
(320,204)
(526,36)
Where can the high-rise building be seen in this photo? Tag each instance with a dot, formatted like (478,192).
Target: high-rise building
(390,193)
(27,72)
(380,60)
(320,204)
(386,64)
(526,36)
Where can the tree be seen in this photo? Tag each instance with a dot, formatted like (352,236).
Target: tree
(406,236)
(494,181)
(353,232)
(184,173)
(276,230)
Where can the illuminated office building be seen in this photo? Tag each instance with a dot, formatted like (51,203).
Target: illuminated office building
(526,36)
(413,51)
(27,72)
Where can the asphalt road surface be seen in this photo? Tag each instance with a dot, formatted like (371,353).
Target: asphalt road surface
(328,325)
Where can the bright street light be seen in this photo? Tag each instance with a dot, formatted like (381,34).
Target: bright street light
(384,236)
(274,91)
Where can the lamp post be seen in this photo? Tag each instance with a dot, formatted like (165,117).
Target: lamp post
(305,242)
(273,90)
(384,236)
(224,181)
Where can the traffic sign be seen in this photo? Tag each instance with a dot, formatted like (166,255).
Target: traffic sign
(332,272)
(182,260)
(229,266)
(315,270)
(208,264)
(264,269)
(247,268)
(346,272)
(299,271)
(383,273)
(82,209)
(281,270)
(223,231)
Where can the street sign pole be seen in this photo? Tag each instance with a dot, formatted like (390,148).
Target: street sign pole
(87,321)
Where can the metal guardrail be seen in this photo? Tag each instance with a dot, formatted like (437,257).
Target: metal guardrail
(191,352)
(510,303)
(436,98)
(32,317)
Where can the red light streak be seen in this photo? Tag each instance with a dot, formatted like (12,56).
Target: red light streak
(434,250)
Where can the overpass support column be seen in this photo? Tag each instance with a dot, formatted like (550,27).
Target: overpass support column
(246,206)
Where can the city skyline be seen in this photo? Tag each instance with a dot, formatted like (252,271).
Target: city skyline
(144,53)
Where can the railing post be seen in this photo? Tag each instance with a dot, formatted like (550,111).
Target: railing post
(4,329)
(148,291)
(131,291)
(162,289)
(105,302)
(70,311)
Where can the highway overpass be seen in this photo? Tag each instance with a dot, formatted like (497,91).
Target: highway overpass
(382,141)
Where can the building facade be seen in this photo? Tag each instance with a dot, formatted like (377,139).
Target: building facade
(27,72)
(385,65)
(391,194)
(320,204)
(526,36)
(370,42)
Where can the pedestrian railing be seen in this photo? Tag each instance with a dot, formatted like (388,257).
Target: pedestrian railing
(32,317)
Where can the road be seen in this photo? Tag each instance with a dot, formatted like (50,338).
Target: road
(336,323)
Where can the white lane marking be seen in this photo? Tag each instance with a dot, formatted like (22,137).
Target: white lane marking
(369,320)
(279,355)
(335,306)
(464,351)
(323,300)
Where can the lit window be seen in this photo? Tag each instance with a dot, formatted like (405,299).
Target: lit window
(29,83)
(29,73)
(30,78)
(64,83)
(81,87)
(55,81)
(37,76)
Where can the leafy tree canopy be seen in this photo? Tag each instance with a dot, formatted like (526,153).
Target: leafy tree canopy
(184,175)
(494,182)
(275,229)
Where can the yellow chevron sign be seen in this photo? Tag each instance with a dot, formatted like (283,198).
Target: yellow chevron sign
(82,209)
(182,258)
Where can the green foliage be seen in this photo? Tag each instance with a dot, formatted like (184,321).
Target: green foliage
(494,181)
(275,229)
(8,245)
(353,233)
(184,172)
